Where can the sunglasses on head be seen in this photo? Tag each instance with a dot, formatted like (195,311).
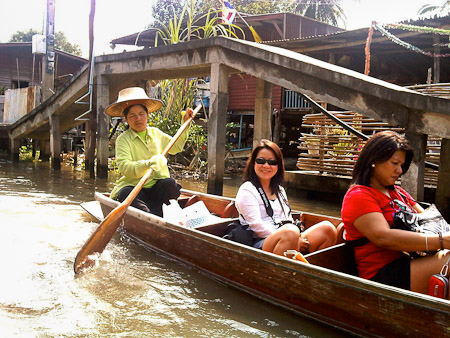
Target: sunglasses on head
(264,161)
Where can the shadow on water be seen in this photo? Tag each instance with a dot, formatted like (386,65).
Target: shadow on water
(131,293)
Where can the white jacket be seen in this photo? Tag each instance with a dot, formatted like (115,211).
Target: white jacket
(252,211)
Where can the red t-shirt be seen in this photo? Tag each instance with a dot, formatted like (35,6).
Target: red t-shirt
(360,200)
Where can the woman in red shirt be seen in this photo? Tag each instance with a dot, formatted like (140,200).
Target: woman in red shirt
(367,213)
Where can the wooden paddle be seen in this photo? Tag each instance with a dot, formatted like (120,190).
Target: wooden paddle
(104,232)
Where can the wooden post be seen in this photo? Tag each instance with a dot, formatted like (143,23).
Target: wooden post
(103,127)
(44,150)
(55,142)
(276,126)
(91,135)
(436,60)
(263,112)
(216,127)
(413,180)
(15,145)
(48,69)
(443,184)
(34,144)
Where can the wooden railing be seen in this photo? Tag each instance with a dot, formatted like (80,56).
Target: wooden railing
(294,100)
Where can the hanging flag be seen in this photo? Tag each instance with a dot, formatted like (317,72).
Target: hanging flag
(228,15)
(228,12)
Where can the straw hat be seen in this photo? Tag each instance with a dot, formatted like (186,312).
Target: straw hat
(129,97)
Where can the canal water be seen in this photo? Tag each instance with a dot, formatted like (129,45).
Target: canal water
(132,292)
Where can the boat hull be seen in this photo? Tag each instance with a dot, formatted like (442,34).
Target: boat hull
(338,299)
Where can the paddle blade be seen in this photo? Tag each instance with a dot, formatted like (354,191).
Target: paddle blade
(99,239)
(294,254)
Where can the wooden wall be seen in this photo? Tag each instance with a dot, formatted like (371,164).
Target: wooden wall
(18,102)
(16,63)
(242,90)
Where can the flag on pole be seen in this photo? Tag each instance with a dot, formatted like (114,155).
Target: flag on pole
(228,12)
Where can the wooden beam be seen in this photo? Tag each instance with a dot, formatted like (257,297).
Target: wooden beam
(324,46)
(277,28)
(216,127)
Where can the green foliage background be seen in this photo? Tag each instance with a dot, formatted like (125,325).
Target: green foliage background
(61,42)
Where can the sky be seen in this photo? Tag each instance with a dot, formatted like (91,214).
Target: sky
(117,18)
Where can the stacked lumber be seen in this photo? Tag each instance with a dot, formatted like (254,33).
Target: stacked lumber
(434,89)
(329,149)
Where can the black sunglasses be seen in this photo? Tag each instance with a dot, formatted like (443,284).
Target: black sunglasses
(264,161)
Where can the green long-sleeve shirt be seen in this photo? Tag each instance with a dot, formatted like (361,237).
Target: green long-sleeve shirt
(133,156)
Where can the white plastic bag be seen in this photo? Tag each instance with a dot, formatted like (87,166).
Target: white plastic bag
(196,214)
(173,213)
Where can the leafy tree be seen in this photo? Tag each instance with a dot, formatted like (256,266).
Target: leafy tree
(445,7)
(248,6)
(61,42)
(163,10)
(328,11)
(24,36)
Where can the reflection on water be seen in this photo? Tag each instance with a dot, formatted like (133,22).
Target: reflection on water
(131,293)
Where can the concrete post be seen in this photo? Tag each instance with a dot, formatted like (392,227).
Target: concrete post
(103,127)
(413,180)
(216,127)
(263,112)
(55,142)
(443,184)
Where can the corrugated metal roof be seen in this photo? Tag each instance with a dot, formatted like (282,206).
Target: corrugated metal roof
(28,45)
(147,36)
(432,21)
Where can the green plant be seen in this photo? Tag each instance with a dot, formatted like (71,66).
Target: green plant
(180,29)
(26,153)
(197,142)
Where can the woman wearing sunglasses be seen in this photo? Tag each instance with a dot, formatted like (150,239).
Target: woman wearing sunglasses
(263,207)
(367,213)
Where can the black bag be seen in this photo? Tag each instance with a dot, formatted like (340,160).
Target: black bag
(239,233)
(428,222)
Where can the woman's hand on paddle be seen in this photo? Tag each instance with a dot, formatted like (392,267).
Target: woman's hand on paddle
(304,244)
(188,114)
(157,162)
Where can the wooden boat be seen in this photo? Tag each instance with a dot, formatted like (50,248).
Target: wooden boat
(326,290)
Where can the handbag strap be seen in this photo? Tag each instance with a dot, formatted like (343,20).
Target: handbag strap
(444,269)
(285,201)
(266,201)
